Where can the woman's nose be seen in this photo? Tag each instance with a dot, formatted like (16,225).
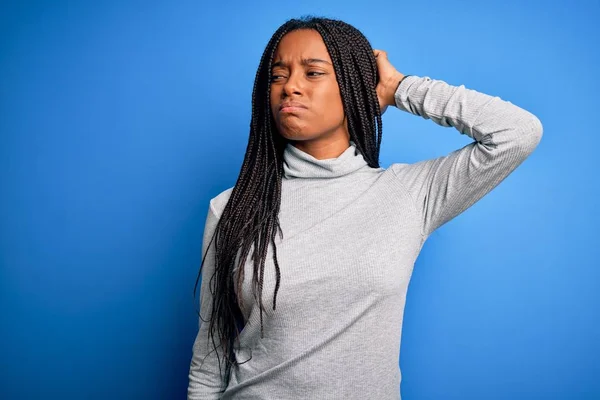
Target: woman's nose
(293,84)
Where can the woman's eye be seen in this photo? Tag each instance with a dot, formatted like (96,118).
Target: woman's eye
(312,73)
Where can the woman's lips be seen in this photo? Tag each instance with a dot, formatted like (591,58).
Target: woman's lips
(291,109)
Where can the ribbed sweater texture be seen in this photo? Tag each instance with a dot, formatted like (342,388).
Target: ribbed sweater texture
(352,234)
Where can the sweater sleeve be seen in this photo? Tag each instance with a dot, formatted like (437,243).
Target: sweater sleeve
(204,375)
(504,136)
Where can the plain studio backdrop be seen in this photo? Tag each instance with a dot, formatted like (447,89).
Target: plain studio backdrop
(120,120)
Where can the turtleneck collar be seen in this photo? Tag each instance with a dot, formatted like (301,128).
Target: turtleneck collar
(298,164)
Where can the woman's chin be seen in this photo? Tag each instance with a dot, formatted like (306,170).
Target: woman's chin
(291,133)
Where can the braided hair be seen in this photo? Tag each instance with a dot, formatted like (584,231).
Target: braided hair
(250,217)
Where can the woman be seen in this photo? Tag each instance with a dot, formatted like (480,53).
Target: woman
(316,311)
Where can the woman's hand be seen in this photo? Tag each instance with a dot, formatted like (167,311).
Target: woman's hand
(389,78)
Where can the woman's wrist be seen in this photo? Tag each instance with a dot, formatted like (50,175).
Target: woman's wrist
(394,88)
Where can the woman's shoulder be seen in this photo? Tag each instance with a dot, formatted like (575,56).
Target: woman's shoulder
(218,203)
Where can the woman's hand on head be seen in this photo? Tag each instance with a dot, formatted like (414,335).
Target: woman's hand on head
(389,78)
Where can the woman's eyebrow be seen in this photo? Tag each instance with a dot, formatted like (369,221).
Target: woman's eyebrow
(304,61)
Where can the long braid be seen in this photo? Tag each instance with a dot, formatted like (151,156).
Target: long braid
(250,219)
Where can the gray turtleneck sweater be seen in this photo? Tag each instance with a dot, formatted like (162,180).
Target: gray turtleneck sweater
(352,234)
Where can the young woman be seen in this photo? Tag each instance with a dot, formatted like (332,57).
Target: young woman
(308,257)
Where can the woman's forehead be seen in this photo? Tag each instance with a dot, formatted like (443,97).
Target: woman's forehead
(301,45)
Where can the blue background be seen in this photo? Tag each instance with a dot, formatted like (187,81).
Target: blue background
(120,120)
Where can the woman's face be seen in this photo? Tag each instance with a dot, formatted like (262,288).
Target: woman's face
(303,73)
